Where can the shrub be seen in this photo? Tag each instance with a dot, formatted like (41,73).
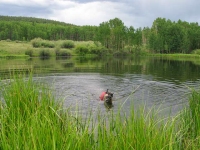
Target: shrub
(44,53)
(68,44)
(120,53)
(8,40)
(18,41)
(197,51)
(98,44)
(57,51)
(37,42)
(82,50)
(62,53)
(137,49)
(47,44)
(98,50)
(95,50)
(129,49)
(29,52)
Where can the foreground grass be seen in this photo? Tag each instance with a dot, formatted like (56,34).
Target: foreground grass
(31,118)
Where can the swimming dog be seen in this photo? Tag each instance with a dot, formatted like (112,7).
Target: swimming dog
(107,98)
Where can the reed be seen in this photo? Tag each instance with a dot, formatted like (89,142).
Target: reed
(190,123)
(30,118)
(139,130)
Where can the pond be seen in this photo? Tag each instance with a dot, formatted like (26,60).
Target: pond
(79,81)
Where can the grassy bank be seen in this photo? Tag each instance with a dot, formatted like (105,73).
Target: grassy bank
(194,57)
(31,118)
(8,56)
(63,48)
(44,48)
(177,55)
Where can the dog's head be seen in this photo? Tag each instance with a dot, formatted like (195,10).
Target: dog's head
(108,97)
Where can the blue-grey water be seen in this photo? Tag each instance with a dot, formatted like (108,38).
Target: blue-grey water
(79,81)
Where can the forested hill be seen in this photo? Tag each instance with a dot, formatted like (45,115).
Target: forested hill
(32,19)
(164,36)
(28,28)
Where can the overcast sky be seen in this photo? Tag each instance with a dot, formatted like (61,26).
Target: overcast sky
(136,13)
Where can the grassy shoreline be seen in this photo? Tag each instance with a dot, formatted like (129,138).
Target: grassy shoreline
(44,48)
(176,55)
(10,56)
(31,118)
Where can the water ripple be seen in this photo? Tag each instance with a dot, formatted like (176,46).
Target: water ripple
(83,89)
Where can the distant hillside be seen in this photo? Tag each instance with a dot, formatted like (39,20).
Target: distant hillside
(32,19)
(28,28)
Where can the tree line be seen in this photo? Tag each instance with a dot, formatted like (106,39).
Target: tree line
(26,28)
(164,36)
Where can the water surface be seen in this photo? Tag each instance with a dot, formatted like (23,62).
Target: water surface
(142,80)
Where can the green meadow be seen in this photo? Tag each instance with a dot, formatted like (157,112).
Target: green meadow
(45,48)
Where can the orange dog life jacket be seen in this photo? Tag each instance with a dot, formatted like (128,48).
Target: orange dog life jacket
(102,96)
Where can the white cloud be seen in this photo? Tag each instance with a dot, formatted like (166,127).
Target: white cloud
(93,12)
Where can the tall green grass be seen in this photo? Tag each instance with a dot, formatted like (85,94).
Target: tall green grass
(190,123)
(32,118)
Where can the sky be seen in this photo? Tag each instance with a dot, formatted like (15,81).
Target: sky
(136,13)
